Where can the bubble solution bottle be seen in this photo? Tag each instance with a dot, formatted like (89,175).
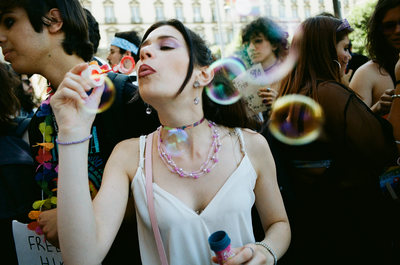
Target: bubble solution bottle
(220,243)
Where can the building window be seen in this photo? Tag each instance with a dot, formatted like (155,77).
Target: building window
(267,8)
(307,9)
(217,39)
(179,11)
(110,32)
(159,6)
(295,13)
(197,12)
(213,12)
(282,8)
(321,5)
(87,4)
(109,17)
(135,12)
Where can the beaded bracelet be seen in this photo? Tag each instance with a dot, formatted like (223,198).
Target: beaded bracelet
(269,250)
(74,142)
(396,96)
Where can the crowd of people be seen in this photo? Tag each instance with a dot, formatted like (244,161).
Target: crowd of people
(316,203)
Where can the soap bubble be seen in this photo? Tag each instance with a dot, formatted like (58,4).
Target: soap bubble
(108,96)
(296,119)
(221,89)
(175,140)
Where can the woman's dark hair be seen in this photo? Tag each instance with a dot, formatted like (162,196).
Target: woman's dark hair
(132,37)
(380,51)
(234,115)
(9,103)
(315,44)
(94,31)
(74,26)
(271,31)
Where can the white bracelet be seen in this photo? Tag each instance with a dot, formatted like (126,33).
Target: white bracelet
(396,96)
(269,250)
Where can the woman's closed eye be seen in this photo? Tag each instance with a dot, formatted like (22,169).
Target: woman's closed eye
(165,47)
(168,44)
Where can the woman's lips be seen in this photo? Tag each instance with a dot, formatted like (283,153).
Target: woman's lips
(145,70)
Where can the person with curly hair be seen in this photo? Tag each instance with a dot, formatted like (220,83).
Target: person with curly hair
(375,80)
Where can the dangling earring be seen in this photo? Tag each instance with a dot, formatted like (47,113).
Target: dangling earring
(336,61)
(148,109)
(196,100)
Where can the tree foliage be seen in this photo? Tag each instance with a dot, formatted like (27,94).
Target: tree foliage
(358,20)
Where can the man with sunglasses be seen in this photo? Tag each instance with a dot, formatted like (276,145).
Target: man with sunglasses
(374,81)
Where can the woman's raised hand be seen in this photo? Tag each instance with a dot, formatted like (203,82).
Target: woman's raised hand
(71,102)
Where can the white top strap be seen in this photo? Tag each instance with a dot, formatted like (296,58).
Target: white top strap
(142,144)
(239,133)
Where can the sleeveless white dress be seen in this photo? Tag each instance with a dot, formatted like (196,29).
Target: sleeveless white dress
(184,232)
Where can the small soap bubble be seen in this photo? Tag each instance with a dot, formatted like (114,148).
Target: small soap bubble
(243,7)
(221,89)
(296,119)
(175,140)
(108,96)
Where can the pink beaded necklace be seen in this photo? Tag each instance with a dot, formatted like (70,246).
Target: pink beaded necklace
(211,161)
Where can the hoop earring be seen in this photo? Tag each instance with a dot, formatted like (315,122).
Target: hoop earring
(340,66)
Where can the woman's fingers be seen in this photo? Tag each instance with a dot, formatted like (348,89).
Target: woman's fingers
(242,256)
(66,94)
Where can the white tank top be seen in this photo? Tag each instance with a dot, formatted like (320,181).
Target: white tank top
(184,232)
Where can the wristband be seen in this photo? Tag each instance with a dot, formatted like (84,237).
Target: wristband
(269,250)
(74,142)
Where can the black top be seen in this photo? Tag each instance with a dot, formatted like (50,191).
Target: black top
(336,210)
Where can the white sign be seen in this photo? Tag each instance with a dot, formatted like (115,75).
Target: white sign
(249,83)
(32,249)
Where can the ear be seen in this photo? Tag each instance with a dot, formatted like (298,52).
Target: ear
(56,20)
(204,76)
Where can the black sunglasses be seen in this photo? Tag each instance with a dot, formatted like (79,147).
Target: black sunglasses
(390,26)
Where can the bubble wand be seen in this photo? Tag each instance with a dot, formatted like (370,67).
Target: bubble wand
(220,243)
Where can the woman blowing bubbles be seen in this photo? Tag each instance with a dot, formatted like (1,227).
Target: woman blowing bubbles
(191,201)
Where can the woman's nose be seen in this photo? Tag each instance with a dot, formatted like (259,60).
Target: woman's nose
(145,52)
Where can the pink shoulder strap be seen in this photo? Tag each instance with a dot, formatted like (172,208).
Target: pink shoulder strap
(150,199)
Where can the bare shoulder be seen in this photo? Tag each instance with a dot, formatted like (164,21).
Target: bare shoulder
(259,152)
(256,144)
(126,154)
(366,70)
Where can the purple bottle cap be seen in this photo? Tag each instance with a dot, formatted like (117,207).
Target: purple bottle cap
(219,241)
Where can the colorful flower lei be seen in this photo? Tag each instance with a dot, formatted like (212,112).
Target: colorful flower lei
(47,171)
